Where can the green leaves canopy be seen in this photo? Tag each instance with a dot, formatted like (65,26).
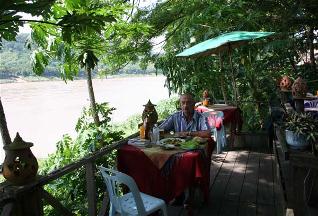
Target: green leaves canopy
(257,65)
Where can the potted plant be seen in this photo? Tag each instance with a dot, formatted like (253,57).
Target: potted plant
(301,130)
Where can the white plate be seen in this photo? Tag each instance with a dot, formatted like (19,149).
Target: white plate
(171,141)
(168,146)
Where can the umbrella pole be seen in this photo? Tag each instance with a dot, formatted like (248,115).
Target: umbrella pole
(222,80)
(233,79)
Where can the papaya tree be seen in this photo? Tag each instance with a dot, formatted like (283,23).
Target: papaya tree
(86,30)
(74,33)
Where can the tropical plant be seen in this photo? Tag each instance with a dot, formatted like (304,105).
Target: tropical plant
(70,189)
(86,31)
(303,124)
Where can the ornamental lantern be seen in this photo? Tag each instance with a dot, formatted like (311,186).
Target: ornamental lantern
(206,98)
(149,117)
(285,83)
(299,88)
(20,166)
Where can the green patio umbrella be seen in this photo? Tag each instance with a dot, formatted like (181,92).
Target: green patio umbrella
(224,42)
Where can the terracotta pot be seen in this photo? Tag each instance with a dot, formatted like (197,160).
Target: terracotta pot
(205,94)
(285,83)
(20,166)
(299,88)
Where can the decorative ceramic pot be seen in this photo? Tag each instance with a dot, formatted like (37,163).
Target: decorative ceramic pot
(19,166)
(205,94)
(149,118)
(296,141)
(150,115)
(299,88)
(285,83)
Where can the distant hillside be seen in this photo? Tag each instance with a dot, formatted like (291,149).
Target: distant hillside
(15,61)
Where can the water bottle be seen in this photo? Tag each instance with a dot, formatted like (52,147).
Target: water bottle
(156,134)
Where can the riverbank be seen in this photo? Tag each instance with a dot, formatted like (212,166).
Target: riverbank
(19,79)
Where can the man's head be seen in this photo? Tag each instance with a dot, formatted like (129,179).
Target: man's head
(187,104)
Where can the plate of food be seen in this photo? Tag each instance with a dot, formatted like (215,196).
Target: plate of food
(172,141)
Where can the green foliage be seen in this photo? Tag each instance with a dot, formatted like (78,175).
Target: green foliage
(257,65)
(70,189)
(167,107)
(10,19)
(85,31)
(304,124)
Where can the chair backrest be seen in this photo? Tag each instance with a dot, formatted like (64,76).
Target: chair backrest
(112,180)
(311,104)
(215,118)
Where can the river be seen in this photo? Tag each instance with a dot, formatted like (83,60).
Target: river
(43,111)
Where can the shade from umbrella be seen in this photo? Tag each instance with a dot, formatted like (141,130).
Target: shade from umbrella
(221,43)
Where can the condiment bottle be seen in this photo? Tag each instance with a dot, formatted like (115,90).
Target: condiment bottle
(142,131)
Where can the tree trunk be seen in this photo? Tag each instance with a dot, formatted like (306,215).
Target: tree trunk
(92,96)
(311,48)
(222,80)
(235,89)
(3,127)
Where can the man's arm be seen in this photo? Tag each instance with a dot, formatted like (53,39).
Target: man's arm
(167,125)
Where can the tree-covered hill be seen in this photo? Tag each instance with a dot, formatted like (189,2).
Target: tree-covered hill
(15,61)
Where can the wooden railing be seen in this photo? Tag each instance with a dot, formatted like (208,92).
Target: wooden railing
(28,199)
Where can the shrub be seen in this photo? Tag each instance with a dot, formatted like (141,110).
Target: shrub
(304,124)
(70,189)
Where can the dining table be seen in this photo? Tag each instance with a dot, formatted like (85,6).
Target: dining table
(167,173)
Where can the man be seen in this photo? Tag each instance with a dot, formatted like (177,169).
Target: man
(187,122)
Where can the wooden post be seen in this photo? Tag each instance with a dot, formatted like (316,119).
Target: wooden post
(29,203)
(299,105)
(91,188)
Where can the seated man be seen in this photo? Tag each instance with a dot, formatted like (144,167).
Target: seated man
(187,122)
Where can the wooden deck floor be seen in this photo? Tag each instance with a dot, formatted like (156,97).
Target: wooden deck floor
(242,183)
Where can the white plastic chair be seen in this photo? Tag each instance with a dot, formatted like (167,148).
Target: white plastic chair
(132,203)
(219,135)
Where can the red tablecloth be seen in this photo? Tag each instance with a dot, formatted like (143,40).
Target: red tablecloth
(190,169)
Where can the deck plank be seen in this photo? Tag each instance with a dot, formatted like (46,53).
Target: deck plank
(217,192)
(265,193)
(246,208)
(265,210)
(229,208)
(249,189)
(242,183)
(234,187)
(216,163)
